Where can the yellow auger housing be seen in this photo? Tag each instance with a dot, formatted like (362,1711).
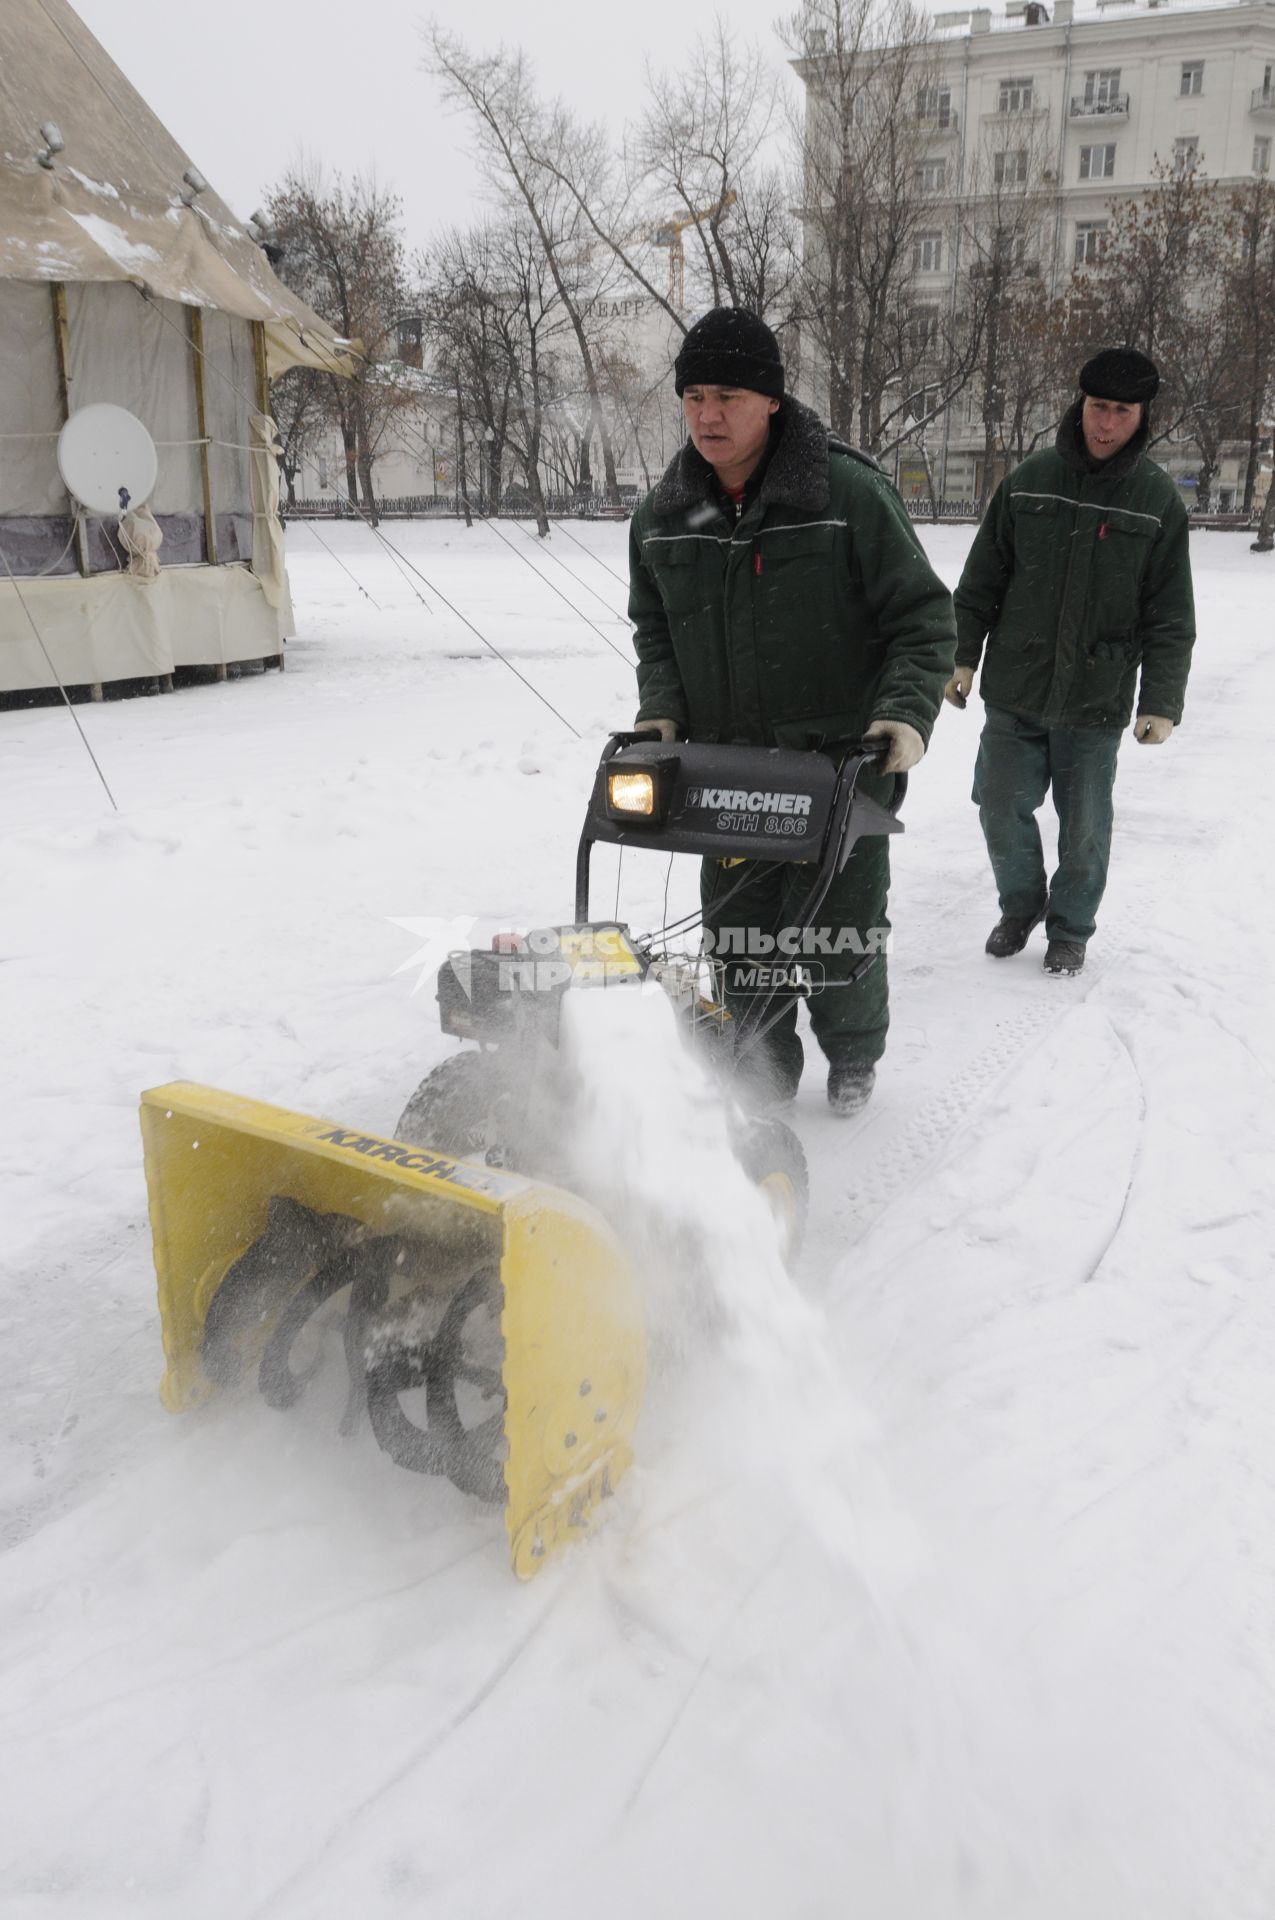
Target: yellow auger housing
(505,1306)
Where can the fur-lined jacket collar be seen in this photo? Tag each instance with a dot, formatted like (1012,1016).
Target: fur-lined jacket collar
(796,474)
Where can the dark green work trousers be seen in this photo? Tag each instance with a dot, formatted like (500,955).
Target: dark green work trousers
(751,929)
(1019,762)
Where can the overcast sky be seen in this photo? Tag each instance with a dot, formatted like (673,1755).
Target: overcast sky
(248,86)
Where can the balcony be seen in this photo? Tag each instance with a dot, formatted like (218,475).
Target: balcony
(1114,107)
(1263,102)
(983,269)
(936,123)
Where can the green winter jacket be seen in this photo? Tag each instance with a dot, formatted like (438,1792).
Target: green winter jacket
(812,615)
(1076,577)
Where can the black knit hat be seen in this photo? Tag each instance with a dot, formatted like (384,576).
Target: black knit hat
(730,347)
(1120,373)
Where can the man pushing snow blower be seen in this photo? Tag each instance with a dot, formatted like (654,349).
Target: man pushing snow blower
(474,1305)
(477,1307)
(780,597)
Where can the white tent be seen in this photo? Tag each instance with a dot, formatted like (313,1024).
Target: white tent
(117,283)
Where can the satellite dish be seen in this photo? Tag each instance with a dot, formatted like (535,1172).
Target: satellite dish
(107,459)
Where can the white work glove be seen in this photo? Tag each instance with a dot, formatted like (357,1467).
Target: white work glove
(667,729)
(906,744)
(1151,729)
(957,690)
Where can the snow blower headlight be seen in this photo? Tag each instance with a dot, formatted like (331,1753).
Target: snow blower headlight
(637,793)
(631,793)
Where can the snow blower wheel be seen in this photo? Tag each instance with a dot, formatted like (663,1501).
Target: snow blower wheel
(774,1160)
(452,1109)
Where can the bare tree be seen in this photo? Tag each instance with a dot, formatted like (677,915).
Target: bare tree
(497,91)
(459,295)
(698,156)
(528,324)
(693,182)
(1006,202)
(636,403)
(1161,284)
(495,322)
(1036,371)
(1248,226)
(875,111)
(341,249)
(299,405)
(1157,251)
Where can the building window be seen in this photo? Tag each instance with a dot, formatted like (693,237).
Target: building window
(930,176)
(1102,88)
(1192,77)
(1262,153)
(1186,153)
(1091,239)
(923,326)
(934,103)
(1010,169)
(927,253)
(859,110)
(1097,163)
(1015,96)
(1010,249)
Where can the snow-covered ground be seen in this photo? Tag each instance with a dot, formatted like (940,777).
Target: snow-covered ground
(249,1668)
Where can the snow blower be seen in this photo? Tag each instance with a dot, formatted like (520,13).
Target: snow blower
(493,1329)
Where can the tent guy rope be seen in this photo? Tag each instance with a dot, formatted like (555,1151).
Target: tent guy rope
(57,676)
(455,611)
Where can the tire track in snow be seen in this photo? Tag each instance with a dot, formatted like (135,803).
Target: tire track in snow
(719,1642)
(899,1152)
(237,1657)
(416,1757)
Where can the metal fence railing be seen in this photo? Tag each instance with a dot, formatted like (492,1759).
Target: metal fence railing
(428,506)
(597,507)
(558,506)
(920,509)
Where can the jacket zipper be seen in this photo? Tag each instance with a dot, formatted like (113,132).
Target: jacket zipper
(1062,611)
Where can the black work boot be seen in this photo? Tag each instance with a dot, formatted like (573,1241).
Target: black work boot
(850,1084)
(1064,956)
(1011,933)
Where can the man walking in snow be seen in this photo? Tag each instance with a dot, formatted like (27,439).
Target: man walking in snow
(1079,575)
(780,597)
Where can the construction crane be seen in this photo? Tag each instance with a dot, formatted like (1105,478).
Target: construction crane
(669,234)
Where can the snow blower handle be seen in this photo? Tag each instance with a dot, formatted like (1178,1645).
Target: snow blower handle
(870,752)
(873,753)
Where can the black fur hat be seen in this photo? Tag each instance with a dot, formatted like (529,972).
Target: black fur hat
(1120,373)
(730,347)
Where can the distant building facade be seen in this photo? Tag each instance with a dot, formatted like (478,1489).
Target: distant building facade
(420,447)
(1099,97)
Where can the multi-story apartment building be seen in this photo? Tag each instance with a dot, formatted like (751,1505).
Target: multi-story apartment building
(1092,99)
